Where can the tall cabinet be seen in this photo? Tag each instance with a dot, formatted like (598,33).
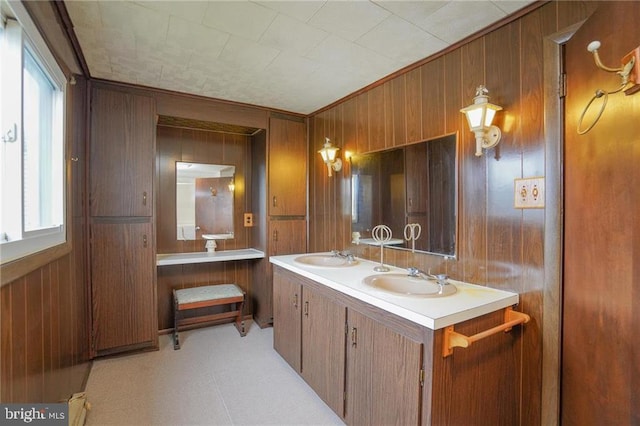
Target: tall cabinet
(121,221)
(287,201)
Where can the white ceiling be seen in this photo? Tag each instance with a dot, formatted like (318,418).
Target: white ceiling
(296,56)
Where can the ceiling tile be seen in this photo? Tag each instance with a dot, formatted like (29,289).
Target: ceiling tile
(415,12)
(243,19)
(246,55)
(401,40)
(458,19)
(190,10)
(131,18)
(196,38)
(300,10)
(289,34)
(348,19)
(340,54)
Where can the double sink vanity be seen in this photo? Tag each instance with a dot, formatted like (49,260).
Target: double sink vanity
(377,347)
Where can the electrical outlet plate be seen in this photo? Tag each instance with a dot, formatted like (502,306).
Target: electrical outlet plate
(529,193)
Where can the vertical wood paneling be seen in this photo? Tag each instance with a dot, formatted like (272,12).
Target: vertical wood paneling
(6,344)
(377,119)
(362,129)
(533,164)
(433,99)
(496,244)
(473,175)
(600,223)
(398,104)
(35,333)
(413,102)
(20,341)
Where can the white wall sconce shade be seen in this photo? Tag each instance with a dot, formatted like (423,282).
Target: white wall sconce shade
(480,115)
(329,153)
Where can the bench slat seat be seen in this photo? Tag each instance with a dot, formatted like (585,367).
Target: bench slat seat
(206,296)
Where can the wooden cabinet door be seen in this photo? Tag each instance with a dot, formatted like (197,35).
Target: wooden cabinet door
(123,286)
(122,154)
(323,351)
(383,374)
(287,168)
(287,302)
(287,236)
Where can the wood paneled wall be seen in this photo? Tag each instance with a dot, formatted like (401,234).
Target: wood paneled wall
(44,345)
(497,245)
(601,292)
(192,145)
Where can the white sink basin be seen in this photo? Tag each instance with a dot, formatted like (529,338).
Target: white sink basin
(227,236)
(405,285)
(324,261)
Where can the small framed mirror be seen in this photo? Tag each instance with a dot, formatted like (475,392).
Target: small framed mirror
(204,201)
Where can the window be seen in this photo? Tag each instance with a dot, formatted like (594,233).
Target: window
(32,87)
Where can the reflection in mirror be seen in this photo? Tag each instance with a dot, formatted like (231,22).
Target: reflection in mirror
(416,185)
(204,201)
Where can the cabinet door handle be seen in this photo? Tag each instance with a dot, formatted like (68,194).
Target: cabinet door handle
(306,308)
(354,337)
(410,202)
(275,201)
(144,241)
(295,300)
(144,198)
(275,235)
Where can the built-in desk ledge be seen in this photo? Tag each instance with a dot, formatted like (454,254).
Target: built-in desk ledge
(206,257)
(470,301)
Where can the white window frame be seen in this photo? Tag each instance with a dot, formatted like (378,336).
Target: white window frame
(34,241)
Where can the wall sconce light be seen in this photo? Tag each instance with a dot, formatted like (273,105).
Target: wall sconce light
(328,153)
(479,116)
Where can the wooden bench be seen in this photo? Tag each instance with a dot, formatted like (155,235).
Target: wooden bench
(205,296)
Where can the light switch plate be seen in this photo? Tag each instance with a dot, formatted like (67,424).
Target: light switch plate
(529,193)
(248,220)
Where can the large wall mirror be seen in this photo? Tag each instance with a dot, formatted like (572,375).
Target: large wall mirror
(204,201)
(414,185)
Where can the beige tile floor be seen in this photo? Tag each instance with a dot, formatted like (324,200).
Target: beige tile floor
(217,378)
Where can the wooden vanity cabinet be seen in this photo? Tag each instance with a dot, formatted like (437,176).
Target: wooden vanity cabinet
(365,372)
(384,374)
(323,348)
(122,243)
(308,332)
(391,370)
(287,318)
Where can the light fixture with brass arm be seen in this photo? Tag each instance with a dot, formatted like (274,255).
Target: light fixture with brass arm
(328,153)
(480,116)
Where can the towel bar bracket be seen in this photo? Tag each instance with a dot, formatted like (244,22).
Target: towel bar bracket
(453,339)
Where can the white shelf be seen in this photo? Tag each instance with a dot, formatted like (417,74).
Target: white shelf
(372,242)
(206,257)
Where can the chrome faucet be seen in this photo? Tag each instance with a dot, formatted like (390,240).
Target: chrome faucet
(344,255)
(440,278)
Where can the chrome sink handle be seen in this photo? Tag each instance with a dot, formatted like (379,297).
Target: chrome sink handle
(440,278)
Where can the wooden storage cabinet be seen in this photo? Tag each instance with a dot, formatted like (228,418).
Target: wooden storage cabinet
(383,374)
(366,372)
(287,236)
(287,167)
(122,154)
(123,287)
(287,302)
(122,231)
(323,350)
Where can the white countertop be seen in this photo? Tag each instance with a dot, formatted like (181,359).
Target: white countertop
(204,257)
(470,301)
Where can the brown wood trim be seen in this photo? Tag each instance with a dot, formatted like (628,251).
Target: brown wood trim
(505,21)
(208,318)
(20,267)
(212,302)
(67,25)
(129,86)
